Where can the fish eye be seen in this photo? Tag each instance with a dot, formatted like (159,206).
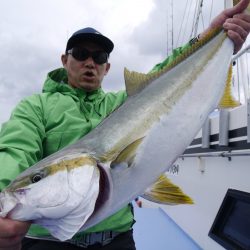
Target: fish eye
(36,177)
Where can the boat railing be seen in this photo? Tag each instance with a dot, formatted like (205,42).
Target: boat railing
(216,154)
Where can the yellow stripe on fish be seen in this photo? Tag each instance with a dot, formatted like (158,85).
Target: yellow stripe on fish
(71,164)
(52,169)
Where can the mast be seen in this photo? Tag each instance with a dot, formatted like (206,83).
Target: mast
(172,22)
(167,34)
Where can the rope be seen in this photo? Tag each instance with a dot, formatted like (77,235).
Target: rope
(197,19)
(211,10)
(194,21)
(183,17)
(185,28)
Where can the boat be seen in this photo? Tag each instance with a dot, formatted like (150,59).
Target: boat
(215,172)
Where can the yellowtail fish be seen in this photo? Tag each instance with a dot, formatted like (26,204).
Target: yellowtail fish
(90,180)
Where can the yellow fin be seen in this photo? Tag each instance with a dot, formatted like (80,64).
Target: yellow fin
(163,191)
(127,155)
(227,100)
(135,81)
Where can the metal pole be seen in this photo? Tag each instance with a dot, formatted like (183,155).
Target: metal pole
(219,154)
(248,120)
(223,127)
(243,51)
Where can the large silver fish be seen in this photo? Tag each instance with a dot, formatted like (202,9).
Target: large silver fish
(88,181)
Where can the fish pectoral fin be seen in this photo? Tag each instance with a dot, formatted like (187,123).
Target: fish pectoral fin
(135,81)
(163,191)
(127,155)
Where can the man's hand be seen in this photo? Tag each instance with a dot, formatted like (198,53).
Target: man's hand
(235,22)
(12,233)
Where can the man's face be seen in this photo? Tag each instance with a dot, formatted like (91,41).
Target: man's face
(86,74)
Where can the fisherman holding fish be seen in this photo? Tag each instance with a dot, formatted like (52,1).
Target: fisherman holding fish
(73,104)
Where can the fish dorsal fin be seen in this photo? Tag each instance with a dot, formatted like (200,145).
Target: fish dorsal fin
(135,81)
(128,154)
(163,191)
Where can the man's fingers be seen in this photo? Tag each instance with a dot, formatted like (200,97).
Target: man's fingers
(242,20)
(242,32)
(11,228)
(10,243)
(242,16)
(238,8)
(237,39)
(12,233)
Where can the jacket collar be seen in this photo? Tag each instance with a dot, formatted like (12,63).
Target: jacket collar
(57,82)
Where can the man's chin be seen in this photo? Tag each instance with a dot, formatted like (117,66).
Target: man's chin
(89,87)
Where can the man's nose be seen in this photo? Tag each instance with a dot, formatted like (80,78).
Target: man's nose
(89,62)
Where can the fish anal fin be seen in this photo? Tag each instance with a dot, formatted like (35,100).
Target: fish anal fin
(127,155)
(163,191)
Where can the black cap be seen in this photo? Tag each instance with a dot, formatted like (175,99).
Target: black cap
(90,34)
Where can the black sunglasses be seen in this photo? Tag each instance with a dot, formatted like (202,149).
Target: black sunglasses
(81,54)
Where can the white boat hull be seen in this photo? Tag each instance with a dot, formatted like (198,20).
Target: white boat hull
(207,178)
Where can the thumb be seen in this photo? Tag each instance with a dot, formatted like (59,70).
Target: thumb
(238,8)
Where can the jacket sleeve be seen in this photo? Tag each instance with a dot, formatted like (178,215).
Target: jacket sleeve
(176,52)
(21,140)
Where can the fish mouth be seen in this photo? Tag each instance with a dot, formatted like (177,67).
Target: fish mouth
(7,203)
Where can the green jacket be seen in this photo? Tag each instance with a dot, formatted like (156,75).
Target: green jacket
(44,123)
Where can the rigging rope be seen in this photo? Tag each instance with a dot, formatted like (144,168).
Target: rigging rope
(183,17)
(195,15)
(211,10)
(185,28)
(199,11)
(202,21)
(167,33)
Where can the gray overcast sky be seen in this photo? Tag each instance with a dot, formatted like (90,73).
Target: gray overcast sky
(33,35)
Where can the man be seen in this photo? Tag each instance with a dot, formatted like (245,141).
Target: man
(72,104)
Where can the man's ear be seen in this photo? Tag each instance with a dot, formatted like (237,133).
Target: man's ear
(108,65)
(64,59)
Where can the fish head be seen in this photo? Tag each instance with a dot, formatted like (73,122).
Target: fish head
(34,190)
(51,191)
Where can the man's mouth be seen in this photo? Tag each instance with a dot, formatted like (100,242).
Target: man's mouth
(89,74)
